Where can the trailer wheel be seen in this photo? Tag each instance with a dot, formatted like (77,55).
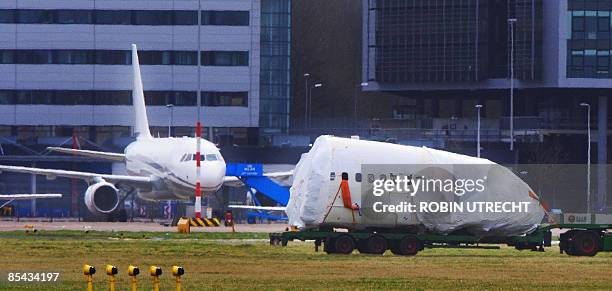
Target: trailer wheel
(408,246)
(344,245)
(362,246)
(377,245)
(566,242)
(587,243)
(329,246)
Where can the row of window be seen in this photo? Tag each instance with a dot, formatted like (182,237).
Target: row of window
(590,24)
(192,157)
(589,63)
(121,97)
(123,57)
(124,17)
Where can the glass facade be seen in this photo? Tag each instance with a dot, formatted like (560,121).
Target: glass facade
(275,66)
(590,45)
(453,41)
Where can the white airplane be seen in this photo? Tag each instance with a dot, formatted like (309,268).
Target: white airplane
(158,168)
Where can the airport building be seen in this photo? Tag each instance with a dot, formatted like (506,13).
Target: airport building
(444,58)
(65,68)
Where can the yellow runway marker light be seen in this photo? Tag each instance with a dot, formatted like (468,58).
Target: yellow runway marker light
(177,272)
(89,271)
(111,271)
(155,272)
(133,272)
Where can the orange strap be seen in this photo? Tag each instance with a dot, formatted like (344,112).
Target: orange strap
(346,196)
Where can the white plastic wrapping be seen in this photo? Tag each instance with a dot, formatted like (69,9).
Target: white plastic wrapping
(314,194)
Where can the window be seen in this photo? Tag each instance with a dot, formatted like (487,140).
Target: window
(35,57)
(185,18)
(7,16)
(152,17)
(73,97)
(113,97)
(7,57)
(225,58)
(185,98)
(183,58)
(113,17)
(211,157)
(225,98)
(74,17)
(231,18)
(34,16)
(113,57)
(358,177)
(193,157)
(73,57)
(7,97)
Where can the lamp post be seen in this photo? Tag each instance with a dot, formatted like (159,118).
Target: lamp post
(306,99)
(588,201)
(361,85)
(511,23)
(478,106)
(315,85)
(171,122)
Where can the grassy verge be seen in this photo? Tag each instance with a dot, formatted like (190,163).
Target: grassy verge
(213,265)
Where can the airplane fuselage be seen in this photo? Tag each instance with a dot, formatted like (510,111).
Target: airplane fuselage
(171,163)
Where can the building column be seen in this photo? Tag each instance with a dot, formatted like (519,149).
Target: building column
(602,152)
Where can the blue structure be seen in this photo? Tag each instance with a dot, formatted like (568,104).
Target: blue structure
(252,176)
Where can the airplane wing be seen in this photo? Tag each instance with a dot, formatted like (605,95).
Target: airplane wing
(51,174)
(92,154)
(28,196)
(233,181)
(269,208)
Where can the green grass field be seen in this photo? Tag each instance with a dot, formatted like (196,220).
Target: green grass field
(222,260)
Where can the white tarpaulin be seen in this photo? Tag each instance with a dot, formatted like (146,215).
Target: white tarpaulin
(316,200)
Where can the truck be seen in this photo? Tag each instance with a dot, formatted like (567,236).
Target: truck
(585,234)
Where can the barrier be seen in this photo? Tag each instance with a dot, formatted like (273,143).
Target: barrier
(204,222)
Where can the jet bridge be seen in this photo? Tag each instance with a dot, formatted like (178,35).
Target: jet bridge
(252,176)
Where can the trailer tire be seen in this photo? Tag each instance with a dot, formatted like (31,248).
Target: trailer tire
(566,242)
(344,244)
(377,245)
(362,246)
(407,246)
(329,246)
(587,243)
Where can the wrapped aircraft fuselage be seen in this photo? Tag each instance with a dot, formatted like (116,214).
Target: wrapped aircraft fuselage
(318,198)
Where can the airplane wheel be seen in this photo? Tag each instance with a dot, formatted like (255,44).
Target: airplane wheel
(344,245)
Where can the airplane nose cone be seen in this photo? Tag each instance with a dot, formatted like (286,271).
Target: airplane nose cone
(212,175)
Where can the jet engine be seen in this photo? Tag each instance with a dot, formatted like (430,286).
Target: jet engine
(102,198)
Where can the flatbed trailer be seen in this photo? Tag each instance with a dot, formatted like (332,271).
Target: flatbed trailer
(584,237)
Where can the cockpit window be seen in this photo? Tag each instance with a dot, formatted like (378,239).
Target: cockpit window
(211,157)
(193,157)
(184,157)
